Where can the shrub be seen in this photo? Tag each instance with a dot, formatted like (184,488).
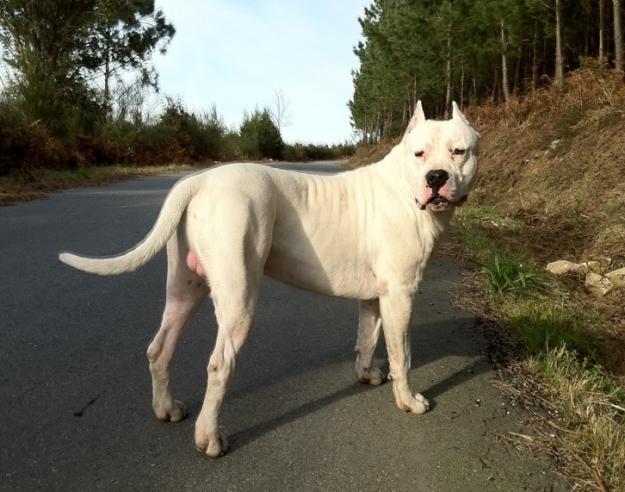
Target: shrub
(313,152)
(294,153)
(31,147)
(180,135)
(260,137)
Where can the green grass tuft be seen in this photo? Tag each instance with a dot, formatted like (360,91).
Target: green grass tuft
(506,273)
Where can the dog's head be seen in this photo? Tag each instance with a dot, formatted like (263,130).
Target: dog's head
(439,159)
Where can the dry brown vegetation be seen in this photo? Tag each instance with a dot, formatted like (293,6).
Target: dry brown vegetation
(370,153)
(554,162)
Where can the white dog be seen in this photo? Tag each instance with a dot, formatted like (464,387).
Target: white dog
(365,234)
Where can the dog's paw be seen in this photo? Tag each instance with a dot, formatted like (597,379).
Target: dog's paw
(212,445)
(373,376)
(172,412)
(417,404)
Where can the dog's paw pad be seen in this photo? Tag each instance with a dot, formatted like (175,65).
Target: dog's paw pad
(418,404)
(372,376)
(376,376)
(421,405)
(175,412)
(213,446)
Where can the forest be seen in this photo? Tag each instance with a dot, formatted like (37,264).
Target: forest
(472,52)
(77,89)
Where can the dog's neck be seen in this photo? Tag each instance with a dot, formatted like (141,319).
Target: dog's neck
(389,169)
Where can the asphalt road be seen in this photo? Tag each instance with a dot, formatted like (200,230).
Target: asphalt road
(75,387)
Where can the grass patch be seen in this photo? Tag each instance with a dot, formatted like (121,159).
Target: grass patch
(544,326)
(578,407)
(589,423)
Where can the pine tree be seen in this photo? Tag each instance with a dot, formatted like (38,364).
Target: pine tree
(55,48)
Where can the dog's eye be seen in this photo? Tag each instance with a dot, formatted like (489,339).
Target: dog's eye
(458,152)
(419,153)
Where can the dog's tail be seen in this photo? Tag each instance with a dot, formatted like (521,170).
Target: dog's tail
(165,225)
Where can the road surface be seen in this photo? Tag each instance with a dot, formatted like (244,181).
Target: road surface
(75,387)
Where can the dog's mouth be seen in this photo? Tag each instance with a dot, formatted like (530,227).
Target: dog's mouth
(438,202)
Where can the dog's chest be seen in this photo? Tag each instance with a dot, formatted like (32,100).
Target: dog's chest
(330,275)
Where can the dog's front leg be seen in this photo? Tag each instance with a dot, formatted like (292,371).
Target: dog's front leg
(369,324)
(396,308)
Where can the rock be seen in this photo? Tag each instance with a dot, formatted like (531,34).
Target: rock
(605,261)
(561,267)
(588,266)
(598,285)
(617,277)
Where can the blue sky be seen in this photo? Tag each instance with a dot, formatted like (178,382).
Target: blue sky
(238,53)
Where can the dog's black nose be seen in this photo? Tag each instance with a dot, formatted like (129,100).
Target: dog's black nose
(436,179)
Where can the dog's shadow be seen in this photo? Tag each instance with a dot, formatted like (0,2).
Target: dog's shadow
(287,350)
(243,437)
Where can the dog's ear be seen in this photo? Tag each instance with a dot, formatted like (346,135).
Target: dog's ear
(456,114)
(417,117)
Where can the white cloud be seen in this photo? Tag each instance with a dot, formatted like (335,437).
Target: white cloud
(237,54)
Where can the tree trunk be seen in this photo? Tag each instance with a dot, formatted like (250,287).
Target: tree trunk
(462,86)
(474,101)
(504,64)
(543,58)
(404,120)
(448,71)
(534,60)
(365,134)
(376,131)
(107,75)
(516,84)
(414,97)
(601,32)
(559,60)
(494,94)
(389,124)
(618,36)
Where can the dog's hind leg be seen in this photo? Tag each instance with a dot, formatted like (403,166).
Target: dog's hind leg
(235,301)
(369,324)
(234,268)
(185,293)
(233,331)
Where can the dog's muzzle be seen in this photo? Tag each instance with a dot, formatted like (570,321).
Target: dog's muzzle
(437,200)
